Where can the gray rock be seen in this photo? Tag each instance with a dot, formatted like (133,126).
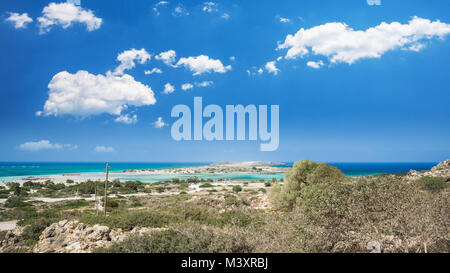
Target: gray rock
(50,232)
(62,223)
(374,247)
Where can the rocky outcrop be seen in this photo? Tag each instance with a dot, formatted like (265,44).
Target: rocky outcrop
(11,239)
(441,170)
(74,237)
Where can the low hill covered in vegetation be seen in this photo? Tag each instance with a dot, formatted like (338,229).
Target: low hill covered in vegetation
(316,209)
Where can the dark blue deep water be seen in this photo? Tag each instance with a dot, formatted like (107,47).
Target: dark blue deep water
(356,169)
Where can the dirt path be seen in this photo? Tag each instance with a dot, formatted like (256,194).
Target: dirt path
(7,225)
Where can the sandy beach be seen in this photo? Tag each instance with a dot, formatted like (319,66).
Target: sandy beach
(217,170)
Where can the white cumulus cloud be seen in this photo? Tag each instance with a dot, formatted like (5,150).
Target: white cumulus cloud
(128,57)
(203,64)
(19,20)
(65,14)
(209,7)
(204,83)
(285,20)
(127,119)
(104,149)
(271,68)
(168,88)
(342,44)
(416,47)
(186,86)
(159,123)
(83,94)
(34,146)
(315,65)
(180,11)
(168,57)
(154,70)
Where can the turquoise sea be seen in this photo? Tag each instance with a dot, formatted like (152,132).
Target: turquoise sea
(17,170)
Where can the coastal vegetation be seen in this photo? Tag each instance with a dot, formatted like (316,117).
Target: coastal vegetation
(315,209)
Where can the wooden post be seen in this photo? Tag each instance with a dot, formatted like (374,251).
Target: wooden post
(96,199)
(106,187)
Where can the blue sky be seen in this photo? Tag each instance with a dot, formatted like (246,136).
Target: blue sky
(353,96)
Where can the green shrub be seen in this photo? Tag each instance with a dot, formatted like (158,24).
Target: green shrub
(232,200)
(160,189)
(111,203)
(17,250)
(192,239)
(267,184)
(17,189)
(193,179)
(31,184)
(16,202)
(175,180)
(433,184)
(14,187)
(206,185)
(53,186)
(17,213)
(135,202)
(303,173)
(2,234)
(133,185)
(76,204)
(31,233)
(237,188)
(86,187)
(183,185)
(4,193)
(161,217)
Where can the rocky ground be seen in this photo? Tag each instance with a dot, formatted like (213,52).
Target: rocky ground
(72,237)
(440,170)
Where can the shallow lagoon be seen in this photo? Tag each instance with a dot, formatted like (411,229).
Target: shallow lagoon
(17,171)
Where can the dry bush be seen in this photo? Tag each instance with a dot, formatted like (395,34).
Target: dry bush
(345,216)
(185,238)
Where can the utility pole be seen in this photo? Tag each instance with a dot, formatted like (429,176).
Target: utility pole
(106,187)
